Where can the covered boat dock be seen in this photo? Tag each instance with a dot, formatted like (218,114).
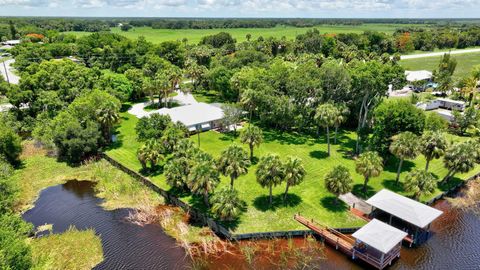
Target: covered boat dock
(404,213)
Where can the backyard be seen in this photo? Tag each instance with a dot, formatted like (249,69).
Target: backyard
(310,198)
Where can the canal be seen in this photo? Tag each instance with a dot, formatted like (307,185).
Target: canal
(454,245)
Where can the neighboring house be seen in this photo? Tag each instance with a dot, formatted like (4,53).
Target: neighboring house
(198,116)
(11,42)
(443,106)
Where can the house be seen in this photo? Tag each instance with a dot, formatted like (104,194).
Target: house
(11,42)
(196,117)
(443,106)
(404,213)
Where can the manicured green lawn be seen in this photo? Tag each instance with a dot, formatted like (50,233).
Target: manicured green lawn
(465,63)
(310,198)
(195,35)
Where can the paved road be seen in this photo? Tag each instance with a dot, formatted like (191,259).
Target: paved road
(432,54)
(7,68)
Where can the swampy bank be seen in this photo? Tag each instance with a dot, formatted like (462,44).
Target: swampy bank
(106,204)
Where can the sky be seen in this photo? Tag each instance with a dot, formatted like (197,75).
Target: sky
(244,8)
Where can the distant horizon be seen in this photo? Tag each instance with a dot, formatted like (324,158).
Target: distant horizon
(246,17)
(346,9)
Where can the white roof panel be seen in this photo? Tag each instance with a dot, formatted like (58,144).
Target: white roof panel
(193,114)
(404,208)
(379,235)
(418,75)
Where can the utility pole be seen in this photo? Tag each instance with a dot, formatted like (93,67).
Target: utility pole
(6,72)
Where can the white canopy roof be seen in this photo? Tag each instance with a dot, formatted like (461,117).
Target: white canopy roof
(459,102)
(193,114)
(379,235)
(404,208)
(418,75)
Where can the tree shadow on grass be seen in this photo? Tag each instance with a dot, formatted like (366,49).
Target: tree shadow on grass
(358,191)
(329,204)
(233,224)
(391,185)
(152,171)
(125,107)
(262,202)
(392,165)
(448,185)
(318,154)
(229,136)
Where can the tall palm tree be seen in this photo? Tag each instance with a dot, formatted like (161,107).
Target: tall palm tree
(253,136)
(233,162)
(325,116)
(247,100)
(142,156)
(270,172)
(153,152)
(108,117)
(294,173)
(404,146)
(162,84)
(432,145)
(172,135)
(195,72)
(420,182)
(369,164)
(203,177)
(470,88)
(460,158)
(226,204)
(338,181)
(340,118)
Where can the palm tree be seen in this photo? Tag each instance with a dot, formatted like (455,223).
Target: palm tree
(172,135)
(340,118)
(176,172)
(148,88)
(233,162)
(142,156)
(185,148)
(460,158)
(253,136)
(432,145)
(404,146)
(369,164)
(338,181)
(108,117)
(247,100)
(153,152)
(195,72)
(470,88)
(203,177)
(420,182)
(270,172)
(226,205)
(325,116)
(294,173)
(162,84)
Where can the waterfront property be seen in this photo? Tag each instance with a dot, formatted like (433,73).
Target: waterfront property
(401,212)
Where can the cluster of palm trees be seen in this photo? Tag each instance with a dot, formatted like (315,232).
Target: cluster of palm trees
(460,157)
(271,171)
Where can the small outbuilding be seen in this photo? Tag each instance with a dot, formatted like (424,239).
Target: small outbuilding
(378,243)
(418,75)
(404,213)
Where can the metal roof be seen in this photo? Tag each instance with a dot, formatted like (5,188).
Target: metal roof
(404,208)
(379,235)
(193,114)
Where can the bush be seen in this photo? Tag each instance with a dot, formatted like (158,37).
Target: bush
(152,127)
(10,145)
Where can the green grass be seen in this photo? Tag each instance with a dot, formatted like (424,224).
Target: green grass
(73,249)
(208,96)
(195,35)
(310,198)
(464,66)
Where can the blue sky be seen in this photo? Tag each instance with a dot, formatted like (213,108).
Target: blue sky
(245,8)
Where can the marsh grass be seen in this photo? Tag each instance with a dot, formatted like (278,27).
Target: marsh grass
(60,251)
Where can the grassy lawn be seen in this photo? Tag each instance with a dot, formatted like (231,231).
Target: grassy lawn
(464,66)
(61,251)
(206,96)
(195,35)
(310,198)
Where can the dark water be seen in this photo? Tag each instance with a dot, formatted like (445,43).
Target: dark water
(454,245)
(125,245)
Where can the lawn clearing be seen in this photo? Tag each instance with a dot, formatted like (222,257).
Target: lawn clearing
(310,198)
(194,35)
(465,63)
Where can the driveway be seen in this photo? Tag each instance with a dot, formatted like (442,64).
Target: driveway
(432,54)
(6,69)
(181,98)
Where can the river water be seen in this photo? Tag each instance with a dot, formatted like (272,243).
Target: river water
(455,243)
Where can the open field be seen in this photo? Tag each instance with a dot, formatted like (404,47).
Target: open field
(310,198)
(464,66)
(194,35)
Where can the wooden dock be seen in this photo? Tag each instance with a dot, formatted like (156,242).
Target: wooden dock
(346,244)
